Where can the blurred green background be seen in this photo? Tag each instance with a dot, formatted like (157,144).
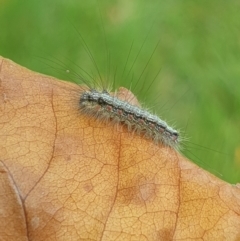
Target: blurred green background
(195,46)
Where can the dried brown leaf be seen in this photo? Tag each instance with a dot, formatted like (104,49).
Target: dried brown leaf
(65,176)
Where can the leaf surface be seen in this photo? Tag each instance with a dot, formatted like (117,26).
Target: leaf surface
(66,176)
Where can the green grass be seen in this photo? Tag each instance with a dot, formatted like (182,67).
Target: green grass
(198,53)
